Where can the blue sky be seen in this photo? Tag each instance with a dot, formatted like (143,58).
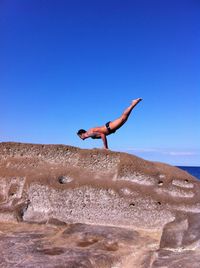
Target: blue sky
(67,65)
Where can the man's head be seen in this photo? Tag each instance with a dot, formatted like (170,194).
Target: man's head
(81,132)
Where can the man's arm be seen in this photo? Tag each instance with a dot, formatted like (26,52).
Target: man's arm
(104,139)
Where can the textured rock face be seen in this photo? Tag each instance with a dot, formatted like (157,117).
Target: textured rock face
(55,183)
(70,246)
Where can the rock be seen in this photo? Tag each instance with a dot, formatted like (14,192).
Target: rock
(75,245)
(154,205)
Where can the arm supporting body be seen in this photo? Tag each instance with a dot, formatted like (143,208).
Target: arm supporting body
(104,139)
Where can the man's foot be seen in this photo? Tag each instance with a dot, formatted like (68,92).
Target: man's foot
(136,101)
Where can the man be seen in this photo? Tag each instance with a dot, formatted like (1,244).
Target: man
(109,128)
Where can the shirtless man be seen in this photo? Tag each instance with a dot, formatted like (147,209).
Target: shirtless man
(109,128)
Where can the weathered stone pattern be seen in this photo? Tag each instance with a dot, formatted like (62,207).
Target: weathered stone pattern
(110,195)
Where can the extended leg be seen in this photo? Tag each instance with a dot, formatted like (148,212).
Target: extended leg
(122,119)
(127,112)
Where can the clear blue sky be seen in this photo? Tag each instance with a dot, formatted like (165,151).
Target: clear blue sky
(66,65)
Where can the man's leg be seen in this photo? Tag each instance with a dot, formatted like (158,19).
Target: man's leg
(127,112)
(122,119)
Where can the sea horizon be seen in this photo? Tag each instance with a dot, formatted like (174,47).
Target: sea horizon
(193,170)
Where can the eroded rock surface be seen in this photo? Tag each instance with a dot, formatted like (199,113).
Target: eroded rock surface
(149,212)
(75,245)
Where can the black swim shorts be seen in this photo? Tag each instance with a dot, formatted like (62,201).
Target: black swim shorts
(108,128)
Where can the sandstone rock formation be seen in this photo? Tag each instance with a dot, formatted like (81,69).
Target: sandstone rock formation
(61,206)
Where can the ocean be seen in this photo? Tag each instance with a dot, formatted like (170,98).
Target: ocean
(194,171)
